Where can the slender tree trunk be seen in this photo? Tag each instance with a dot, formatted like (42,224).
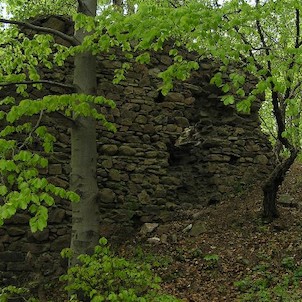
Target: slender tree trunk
(271,186)
(85,214)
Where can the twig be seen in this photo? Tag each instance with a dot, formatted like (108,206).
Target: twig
(32,131)
(40,82)
(48,30)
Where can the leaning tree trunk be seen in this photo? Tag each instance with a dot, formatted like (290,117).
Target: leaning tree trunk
(271,186)
(85,214)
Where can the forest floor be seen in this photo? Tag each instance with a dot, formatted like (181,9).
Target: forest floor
(225,252)
(230,254)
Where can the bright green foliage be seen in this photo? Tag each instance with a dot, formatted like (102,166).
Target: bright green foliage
(260,40)
(23,9)
(105,277)
(21,57)
(21,186)
(11,292)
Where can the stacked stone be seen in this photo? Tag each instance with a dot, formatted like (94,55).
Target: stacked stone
(22,251)
(169,152)
(175,150)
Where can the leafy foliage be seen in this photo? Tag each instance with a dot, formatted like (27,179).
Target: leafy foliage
(105,277)
(11,292)
(23,9)
(258,40)
(21,186)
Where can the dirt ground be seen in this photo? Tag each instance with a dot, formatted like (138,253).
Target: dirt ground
(226,243)
(205,251)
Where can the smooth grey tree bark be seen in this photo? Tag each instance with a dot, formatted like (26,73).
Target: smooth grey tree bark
(85,214)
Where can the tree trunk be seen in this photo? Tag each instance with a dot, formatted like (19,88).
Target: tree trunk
(271,186)
(85,214)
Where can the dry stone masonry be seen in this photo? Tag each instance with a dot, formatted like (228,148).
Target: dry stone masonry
(182,150)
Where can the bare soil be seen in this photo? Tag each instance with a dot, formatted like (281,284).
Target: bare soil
(233,232)
(230,242)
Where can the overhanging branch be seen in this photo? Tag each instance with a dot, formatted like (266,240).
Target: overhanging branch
(278,103)
(293,57)
(40,82)
(48,30)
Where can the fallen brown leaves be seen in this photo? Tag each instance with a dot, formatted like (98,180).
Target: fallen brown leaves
(235,233)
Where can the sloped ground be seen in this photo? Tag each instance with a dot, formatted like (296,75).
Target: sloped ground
(204,252)
(228,243)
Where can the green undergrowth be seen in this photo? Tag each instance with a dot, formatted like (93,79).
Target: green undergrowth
(105,277)
(12,292)
(266,284)
(155,260)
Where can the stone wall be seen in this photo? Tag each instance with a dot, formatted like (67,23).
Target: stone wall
(186,147)
(182,150)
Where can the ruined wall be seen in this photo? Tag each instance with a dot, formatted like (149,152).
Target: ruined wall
(182,150)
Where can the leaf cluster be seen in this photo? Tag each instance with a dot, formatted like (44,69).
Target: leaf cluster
(106,277)
(21,186)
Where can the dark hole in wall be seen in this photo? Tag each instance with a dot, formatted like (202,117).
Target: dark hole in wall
(184,188)
(160,98)
(213,200)
(177,155)
(136,221)
(181,155)
(233,160)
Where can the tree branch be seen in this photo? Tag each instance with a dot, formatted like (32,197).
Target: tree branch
(32,131)
(278,105)
(246,42)
(40,82)
(279,115)
(297,45)
(268,128)
(48,30)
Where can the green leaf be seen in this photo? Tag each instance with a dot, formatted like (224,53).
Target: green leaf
(99,299)
(143,58)
(103,241)
(262,86)
(73,197)
(244,106)
(217,79)
(3,190)
(240,92)
(228,99)
(226,88)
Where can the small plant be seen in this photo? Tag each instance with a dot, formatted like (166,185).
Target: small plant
(263,285)
(288,262)
(196,253)
(153,259)
(13,292)
(105,277)
(211,260)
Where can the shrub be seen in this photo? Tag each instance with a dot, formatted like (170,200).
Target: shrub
(11,293)
(105,277)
